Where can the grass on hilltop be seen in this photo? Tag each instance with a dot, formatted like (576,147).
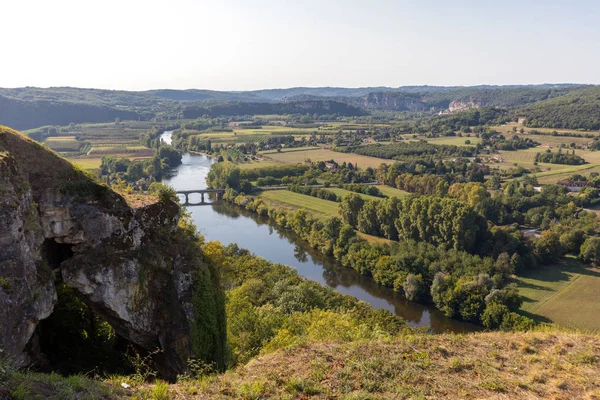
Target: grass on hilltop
(536,365)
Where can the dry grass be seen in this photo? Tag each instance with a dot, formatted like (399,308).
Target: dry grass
(325,154)
(131,151)
(454,141)
(536,365)
(87,163)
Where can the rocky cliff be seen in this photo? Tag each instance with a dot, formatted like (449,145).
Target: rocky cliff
(133,266)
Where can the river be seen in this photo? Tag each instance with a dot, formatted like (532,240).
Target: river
(228,223)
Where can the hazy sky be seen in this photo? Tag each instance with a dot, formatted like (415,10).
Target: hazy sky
(252,44)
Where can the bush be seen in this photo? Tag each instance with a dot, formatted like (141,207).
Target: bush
(493,315)
(164,193)
(515,322)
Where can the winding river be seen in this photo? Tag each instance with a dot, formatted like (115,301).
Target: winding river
(230,224)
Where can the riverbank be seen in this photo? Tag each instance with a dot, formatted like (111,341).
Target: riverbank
(394,266)
(228,223)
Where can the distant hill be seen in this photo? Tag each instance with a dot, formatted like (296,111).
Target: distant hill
(20,114)
(30,107)
(319,107)
(579,109)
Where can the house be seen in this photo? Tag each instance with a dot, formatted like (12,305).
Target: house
(573,186)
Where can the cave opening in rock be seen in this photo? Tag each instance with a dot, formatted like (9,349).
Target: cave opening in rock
(56,253)
(74,339)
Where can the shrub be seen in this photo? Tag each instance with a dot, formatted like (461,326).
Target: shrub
(163,192)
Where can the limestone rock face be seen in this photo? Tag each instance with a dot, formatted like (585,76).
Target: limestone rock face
(27,292)
(57,224)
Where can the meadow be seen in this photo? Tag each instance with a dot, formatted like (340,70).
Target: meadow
(325,155)
(318,208)
(343,192)
(392,192)
(284,198)
(565,293)
(454,141)
(508,129)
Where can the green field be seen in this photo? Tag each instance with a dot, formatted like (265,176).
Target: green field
(392,192)
(317,206)
(325,155)
(566,293)
(344,192)
(289,150)
(257,164)
(507,129)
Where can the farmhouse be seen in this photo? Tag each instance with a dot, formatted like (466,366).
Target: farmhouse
(573,186)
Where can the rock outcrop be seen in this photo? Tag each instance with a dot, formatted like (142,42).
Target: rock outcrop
(124,262)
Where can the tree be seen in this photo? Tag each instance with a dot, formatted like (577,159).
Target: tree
(504,265)
(223,175)
(590,250)
(349,208)
(367,218)
(414,287)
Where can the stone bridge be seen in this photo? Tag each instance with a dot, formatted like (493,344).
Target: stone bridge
(202,192)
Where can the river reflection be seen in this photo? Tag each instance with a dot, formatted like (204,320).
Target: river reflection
(228,224)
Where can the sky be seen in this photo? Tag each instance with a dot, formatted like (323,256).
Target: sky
(257,44)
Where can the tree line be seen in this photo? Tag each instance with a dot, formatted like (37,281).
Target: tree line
(462,285)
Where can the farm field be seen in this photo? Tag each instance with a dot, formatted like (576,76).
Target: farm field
(64,143)
(87,163)
(319,208)
(343,192)
(289,150)
(86,144)
(316,206)
(128,151)
(392,192)
(565,293)
(257,164)
(326,154)
(455,141)
(507,129)
(554,176)
(549,173)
